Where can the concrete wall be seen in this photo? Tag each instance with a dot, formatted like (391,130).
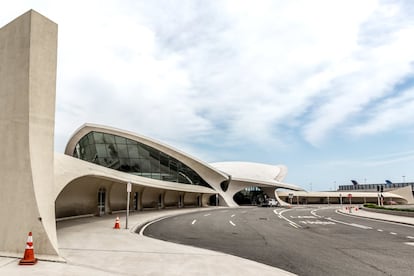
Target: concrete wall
(28,54)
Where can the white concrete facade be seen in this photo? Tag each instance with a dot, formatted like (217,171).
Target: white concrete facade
(28,54)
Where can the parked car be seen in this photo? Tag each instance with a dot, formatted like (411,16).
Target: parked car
(271,202)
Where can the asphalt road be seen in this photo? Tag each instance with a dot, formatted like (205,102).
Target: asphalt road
(305,241)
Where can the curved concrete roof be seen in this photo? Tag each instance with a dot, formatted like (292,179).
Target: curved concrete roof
(240,174)
(206,171)
(68,168)
(256,174)
(249,170)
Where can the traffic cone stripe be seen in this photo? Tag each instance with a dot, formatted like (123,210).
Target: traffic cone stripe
(117,225)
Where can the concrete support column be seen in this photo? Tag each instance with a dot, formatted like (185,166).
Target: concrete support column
(162,202)
(140,205)
(28,55)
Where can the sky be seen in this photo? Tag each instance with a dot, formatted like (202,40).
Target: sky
(323,87)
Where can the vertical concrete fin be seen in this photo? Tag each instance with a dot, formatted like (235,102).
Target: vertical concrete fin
(28,50)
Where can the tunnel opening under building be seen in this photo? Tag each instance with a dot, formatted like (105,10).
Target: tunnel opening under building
(250,196)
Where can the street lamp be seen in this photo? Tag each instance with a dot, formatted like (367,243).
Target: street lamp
(403,177)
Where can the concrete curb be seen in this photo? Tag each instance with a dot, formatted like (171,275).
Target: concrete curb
(375,218)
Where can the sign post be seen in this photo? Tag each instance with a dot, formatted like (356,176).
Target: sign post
(129,188)
(290,197)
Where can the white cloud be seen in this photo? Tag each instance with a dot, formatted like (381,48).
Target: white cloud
(230,71)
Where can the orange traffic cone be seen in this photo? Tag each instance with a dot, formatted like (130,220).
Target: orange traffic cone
(117,225)
(29,258)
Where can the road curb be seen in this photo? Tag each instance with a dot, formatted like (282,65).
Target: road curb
(378,219)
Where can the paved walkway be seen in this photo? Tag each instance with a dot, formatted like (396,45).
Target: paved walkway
(379,216)
(91,246)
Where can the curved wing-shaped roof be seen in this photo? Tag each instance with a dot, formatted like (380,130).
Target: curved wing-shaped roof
(213,176)
(256,174)
(68,169)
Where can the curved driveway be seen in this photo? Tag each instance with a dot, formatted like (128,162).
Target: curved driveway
(306,241)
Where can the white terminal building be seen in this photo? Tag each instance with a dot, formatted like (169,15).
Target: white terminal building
(39,186)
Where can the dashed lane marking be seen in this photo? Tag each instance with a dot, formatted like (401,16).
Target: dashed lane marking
(194,221)
(409,243)
(380,230)
(233,215)
(393,233)
(206,215)
(232,223)
(360,226)
(350,224)
(317,222)
(410,237)
(303,217)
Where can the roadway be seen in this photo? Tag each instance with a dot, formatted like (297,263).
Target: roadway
(305,241)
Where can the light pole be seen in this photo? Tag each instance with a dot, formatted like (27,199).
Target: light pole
(403,177)
(129,188)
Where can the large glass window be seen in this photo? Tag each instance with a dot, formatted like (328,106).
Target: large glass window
(129,156)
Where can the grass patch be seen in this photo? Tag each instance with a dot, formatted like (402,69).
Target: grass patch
(375,206)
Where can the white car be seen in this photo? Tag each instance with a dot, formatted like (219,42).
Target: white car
(271,202)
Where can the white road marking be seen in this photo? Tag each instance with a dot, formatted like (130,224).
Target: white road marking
(206,215)
(313,213)
(393,233)
(232,223)
(350,224)
(294,225)
(409,243)
(316,222)
(380,230)
(288,220)
(194,221)
(410,237)
(233,215)
(360,226)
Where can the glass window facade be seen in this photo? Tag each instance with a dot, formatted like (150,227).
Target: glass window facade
(129,156)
